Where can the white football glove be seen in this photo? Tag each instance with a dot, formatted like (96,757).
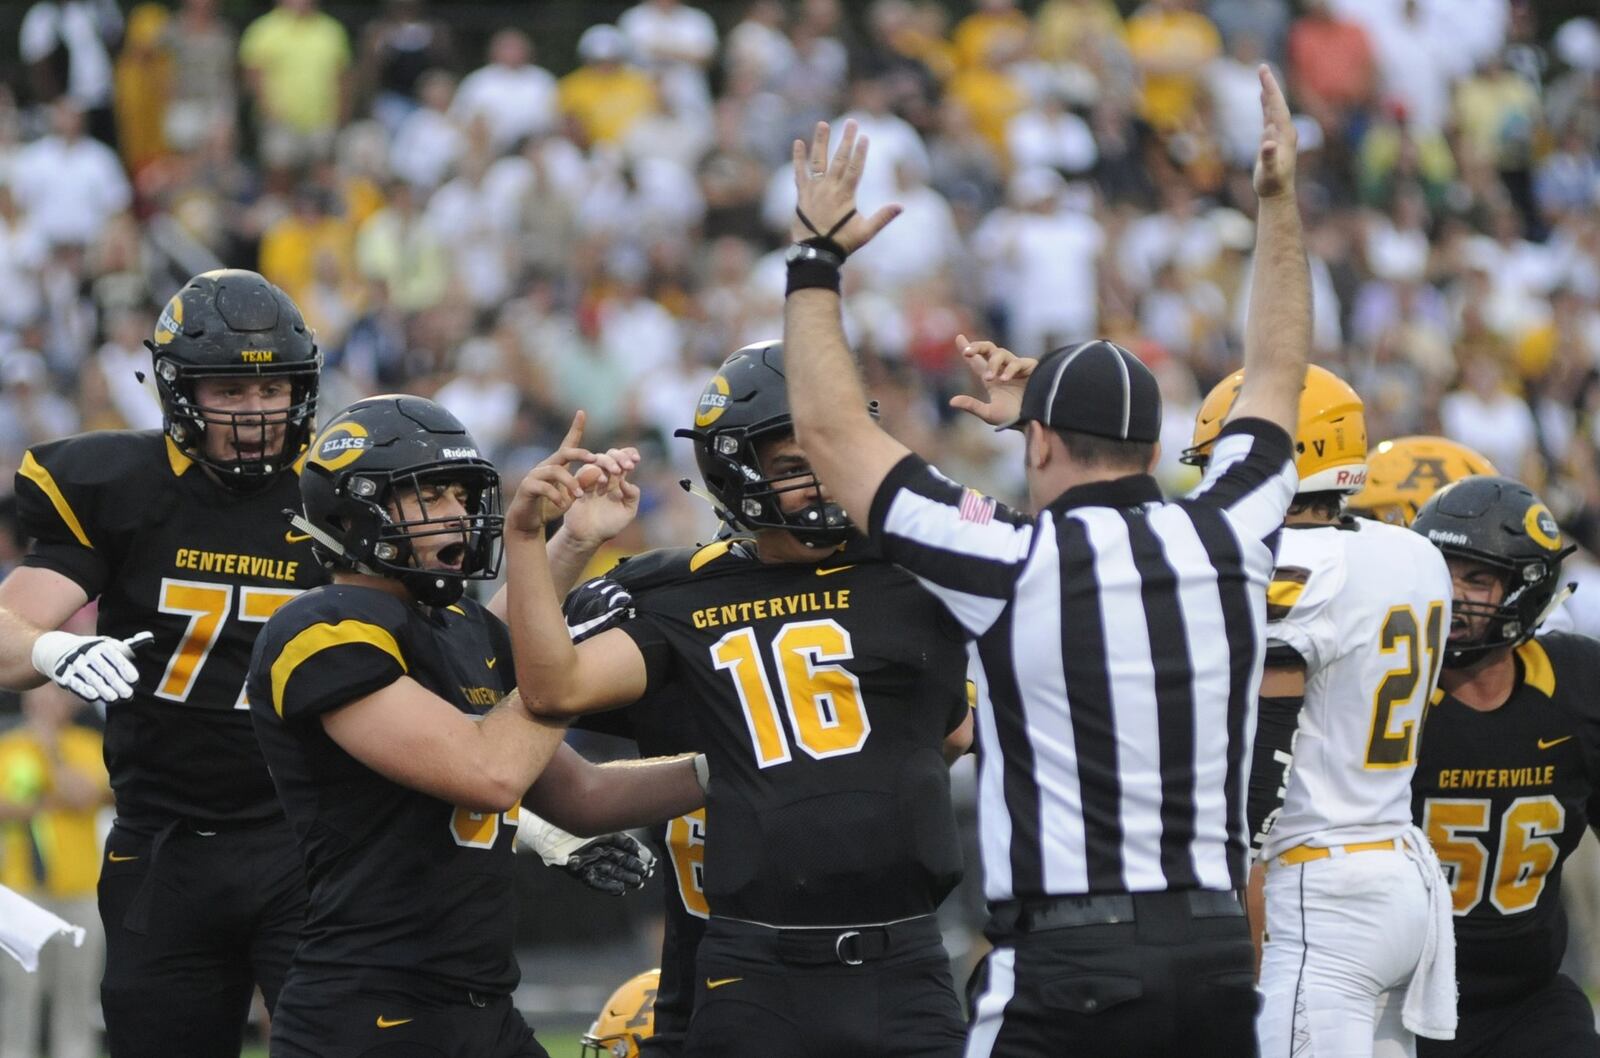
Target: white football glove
(96,668)
(611,863)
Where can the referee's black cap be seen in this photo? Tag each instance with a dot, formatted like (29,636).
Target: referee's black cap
(1095,387)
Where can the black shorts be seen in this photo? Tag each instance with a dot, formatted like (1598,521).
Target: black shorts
(194,920)
(1557,1021)
(796,994)
(1174,981)
(335,1016)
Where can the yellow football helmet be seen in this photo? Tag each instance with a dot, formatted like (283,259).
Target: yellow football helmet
(1403,473)
(1330,442)
(628,1017)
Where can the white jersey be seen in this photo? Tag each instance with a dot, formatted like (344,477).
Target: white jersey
(1367,606)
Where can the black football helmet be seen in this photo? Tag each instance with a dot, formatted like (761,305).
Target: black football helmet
(372,452)
(1500,523)
(745,402)
(232,323)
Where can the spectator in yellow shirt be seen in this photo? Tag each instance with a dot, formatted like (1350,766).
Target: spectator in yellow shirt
(976,35)
(605,96)
(1172,45)
(989,91)
(296,61)
(52,786)
(291,247)
(1069,30)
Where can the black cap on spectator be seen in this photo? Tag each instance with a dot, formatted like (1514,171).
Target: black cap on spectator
(1096,388)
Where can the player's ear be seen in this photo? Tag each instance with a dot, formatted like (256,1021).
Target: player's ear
(1038,442)
(1155,458)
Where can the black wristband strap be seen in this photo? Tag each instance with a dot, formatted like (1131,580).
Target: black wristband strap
(826,245)
(812,273)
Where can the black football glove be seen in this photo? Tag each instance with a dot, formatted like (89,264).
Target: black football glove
(596,605)
(611,863)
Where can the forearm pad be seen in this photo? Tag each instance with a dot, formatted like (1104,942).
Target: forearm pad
(1277,723)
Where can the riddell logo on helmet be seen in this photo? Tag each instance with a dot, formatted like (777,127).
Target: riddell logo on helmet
(1445,536)
(1351,478)
(459,453)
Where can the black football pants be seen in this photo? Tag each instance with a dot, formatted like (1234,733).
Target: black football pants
(1557,1021)
(882,993)
(336,1016)
(194,920)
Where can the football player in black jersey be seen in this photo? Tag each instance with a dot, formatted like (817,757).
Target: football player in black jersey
(827,689)
(179,535)
(1509,772)
(385,707)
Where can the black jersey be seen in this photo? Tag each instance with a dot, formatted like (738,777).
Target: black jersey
(400,882)
(167,549)
(1504,796)
(822,695)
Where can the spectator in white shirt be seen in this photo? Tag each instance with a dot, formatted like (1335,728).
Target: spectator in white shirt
(1235,91)
(1484,416)
(676,42)
(1412,65)
(23,251)
(482,394)
(428,142)
(926,244)
(120,361)
(479,242)
(1044,260)
(511,96)
(634,329)
(69,184)
(87,32)
(1052,136)
(758,43)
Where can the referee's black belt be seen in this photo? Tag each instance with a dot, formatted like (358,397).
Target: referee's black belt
(1038,915)
(831,945)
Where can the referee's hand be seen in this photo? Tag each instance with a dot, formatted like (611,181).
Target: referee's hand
(1274,174)
(826,191)
(1001,376)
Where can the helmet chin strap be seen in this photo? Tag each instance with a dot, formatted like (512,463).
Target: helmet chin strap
(1555,603)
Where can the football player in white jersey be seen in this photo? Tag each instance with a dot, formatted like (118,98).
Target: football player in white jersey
(1357,615)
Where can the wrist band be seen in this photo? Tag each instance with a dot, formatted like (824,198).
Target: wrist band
(812,273)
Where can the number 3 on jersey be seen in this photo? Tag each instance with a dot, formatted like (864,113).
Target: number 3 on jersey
(207,607)
(820,696)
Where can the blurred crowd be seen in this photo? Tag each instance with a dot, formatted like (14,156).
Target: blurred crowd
(456,219)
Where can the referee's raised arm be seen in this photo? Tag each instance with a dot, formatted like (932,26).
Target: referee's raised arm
(1277,330)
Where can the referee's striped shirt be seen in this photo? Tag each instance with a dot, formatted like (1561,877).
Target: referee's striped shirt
(1117,648)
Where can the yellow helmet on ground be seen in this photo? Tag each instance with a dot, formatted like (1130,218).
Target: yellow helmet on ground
(628,1017)
(1403,473)
(1330,442)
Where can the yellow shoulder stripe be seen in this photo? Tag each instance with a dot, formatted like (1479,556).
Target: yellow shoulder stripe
(1537,672)
(37,474)
(1285,593)
(320,637)
(176,459)
(709,553)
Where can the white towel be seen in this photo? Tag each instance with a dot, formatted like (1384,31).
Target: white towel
(25,928)
(1430,1004)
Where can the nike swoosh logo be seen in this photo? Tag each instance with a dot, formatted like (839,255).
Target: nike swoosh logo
(722,981)
(1553,742)
(114,858)
(296,538)
(836,569)
(389,1023)
(490,662)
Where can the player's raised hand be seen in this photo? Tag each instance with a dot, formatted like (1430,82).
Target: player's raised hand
(1002,375)
(549,490)
(1274,173)
(826,190)
(609,501)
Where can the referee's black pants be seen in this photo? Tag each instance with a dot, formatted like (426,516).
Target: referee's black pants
(1124,976)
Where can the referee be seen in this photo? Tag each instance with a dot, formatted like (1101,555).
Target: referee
(1116,640)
